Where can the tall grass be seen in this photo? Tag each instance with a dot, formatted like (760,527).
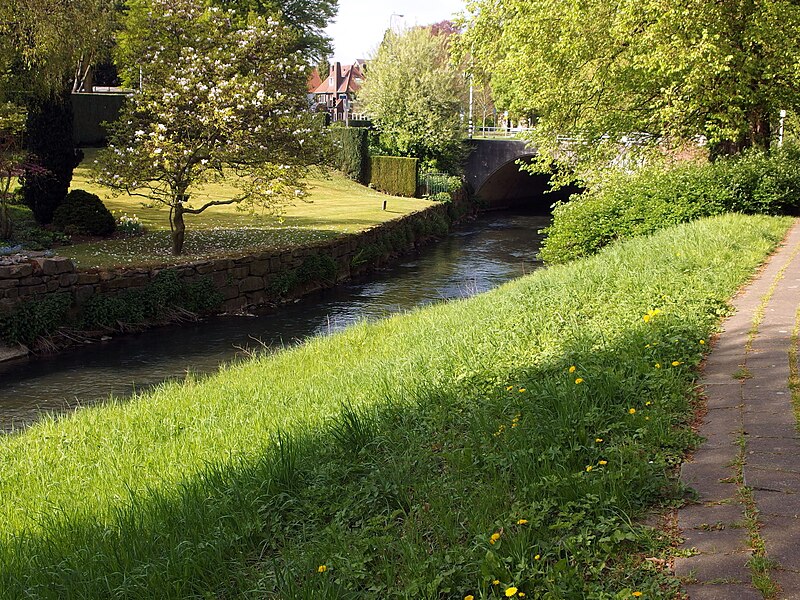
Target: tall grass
(380,462)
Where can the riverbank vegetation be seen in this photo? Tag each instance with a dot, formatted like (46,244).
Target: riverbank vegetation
(624,205)
(494,447)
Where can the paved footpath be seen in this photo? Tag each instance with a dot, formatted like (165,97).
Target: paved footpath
(752,443)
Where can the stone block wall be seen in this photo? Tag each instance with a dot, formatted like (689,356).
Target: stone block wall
(244,281)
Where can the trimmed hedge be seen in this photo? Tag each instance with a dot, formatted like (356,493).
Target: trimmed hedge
(394,175)
(626,206)
(351,152)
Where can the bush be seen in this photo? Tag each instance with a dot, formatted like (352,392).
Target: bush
(83,213)
(351,152)
(34,319)
(625,206)
(394,175)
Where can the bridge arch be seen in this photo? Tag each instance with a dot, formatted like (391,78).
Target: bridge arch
(493,172)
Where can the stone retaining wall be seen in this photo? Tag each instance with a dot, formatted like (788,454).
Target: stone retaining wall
(243,282)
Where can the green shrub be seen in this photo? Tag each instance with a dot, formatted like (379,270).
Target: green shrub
(394,175)
(167,292)
(83,213)
(35,318)
(351,152)
(625,206)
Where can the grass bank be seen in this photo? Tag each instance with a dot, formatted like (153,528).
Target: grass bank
(335,205)
(487,447)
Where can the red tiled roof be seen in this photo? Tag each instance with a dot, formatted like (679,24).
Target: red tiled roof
(314,81)
(342,79)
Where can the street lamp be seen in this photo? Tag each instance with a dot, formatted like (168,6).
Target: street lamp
(780,131)
(393,15)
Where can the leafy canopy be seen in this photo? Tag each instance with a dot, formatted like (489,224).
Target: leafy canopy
(599,70)
(413,95)
(231,106)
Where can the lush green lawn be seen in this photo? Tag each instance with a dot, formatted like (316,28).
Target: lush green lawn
(506,441)
(336,205)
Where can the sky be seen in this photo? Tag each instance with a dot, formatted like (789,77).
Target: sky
(360,24)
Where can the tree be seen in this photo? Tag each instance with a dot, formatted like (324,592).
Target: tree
(644,70)
(12,160)
(233,109)
(412,94)
(145,34)
(41,43)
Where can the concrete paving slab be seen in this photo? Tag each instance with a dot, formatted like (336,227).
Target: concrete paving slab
(790,584)
(762,445)
(710,516)
(780,504)
(781,462)
(771,479)
(763,430)
(781,537)
(733,540)
(723,592)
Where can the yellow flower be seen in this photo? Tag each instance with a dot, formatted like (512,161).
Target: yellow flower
(598,440)
(496,582)
(509,388)
(494,538)
(648,403)
(647,418)
(579,381)
(469,597)
(637,594)
(572,369)
(510,592)
(602,463)
(646,318)
(589,468)
(658,365)
(522,522)
(322,568)
(521,390)
(521,594)
(537,557)
(675,363)
(702,342)
(631,411)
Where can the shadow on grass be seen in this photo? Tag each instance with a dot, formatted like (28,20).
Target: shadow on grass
(401,497)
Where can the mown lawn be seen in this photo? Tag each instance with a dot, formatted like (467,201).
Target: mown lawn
(335,206)
(492,447)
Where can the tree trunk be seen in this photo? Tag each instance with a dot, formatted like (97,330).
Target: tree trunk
(760,130)
(6,227)
(178,229)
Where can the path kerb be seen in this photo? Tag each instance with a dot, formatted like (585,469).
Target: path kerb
(746,474)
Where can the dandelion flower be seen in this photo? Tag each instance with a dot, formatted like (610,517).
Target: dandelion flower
(702,342)
(646,318)
(572,369)
(658,365)
(598,440)
(510,591)
(521,390)
(494,538)
(648,403)
(469,597)
(589,468)
(509,388)
(675,363)
(496,582)
(522,522)
(602,463)
(579,381)
(631,411)
(537,557)
(322,568)
(637,594)
(521,594)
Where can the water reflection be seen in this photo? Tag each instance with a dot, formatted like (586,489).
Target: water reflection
(477,257)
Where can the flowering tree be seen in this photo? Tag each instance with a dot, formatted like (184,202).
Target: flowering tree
(232,108)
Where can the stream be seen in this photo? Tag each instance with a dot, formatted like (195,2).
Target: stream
(474,258)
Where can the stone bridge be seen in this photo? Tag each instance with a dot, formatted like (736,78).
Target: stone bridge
(493,173)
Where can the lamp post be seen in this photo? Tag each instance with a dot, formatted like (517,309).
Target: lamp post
(780,130)
(393,15)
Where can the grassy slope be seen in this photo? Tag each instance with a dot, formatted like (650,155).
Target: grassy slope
(391,452)
(337,205)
